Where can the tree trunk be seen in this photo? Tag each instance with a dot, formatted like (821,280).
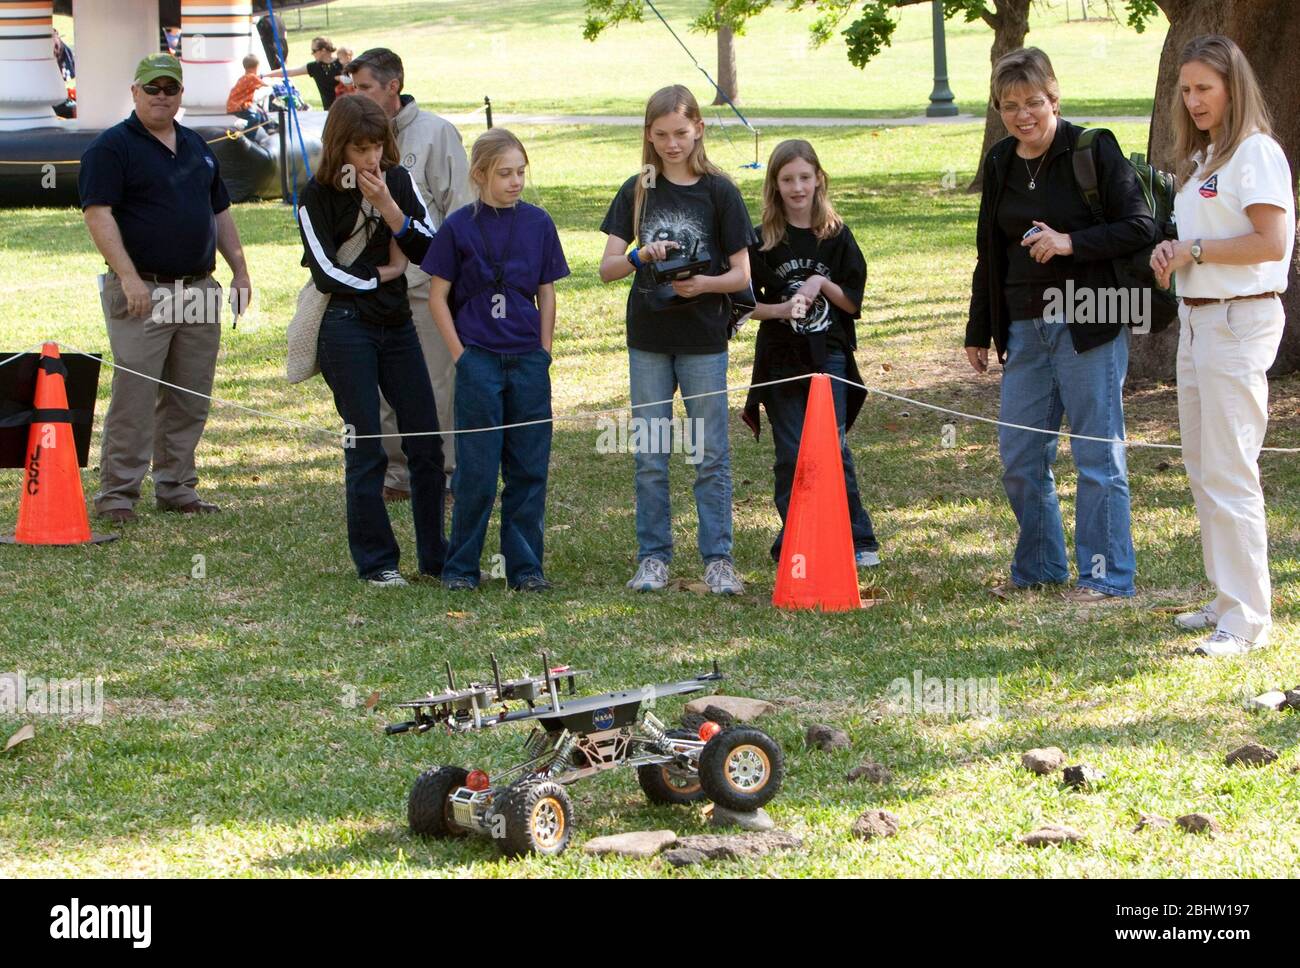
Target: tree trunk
(1269,34)
(1010,23)
(727,66)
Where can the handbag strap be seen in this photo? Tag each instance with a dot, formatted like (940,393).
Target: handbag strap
(355,243)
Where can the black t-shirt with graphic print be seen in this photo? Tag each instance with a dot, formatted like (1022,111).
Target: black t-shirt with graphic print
(708,219)
(780,271)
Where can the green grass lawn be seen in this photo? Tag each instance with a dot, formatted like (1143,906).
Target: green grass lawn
(234,741)
(533,58)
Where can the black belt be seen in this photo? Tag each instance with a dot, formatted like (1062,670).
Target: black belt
(1197,301)
(162,280)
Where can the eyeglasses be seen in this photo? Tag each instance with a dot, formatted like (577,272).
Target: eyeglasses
(168,90)
(1033,104)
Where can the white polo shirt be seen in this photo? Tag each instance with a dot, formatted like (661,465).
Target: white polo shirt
(1215,208)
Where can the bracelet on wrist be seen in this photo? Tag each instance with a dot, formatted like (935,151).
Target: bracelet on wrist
(634,257)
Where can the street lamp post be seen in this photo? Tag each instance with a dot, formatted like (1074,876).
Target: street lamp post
(942,104)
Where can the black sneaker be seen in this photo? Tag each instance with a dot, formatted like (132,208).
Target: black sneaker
(390,578)
(534,583)
(458,585)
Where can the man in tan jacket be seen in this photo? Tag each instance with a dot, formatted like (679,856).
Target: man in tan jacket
(431,149)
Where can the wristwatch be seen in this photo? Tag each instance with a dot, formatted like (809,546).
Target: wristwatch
(1196,252)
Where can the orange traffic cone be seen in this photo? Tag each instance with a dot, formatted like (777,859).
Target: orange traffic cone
(817,569)
(52,508)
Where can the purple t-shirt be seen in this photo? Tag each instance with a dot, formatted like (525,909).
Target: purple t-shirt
(467,251)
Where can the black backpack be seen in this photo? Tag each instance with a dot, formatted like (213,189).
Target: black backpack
(267,28)
(1133,271)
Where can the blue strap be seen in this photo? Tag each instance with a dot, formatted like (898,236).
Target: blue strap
(294,124)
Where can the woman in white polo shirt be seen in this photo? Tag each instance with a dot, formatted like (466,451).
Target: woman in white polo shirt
(1236,226)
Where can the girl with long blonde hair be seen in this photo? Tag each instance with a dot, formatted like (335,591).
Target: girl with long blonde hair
(681,227)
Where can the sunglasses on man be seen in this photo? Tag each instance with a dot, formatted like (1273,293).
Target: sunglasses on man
(169,90)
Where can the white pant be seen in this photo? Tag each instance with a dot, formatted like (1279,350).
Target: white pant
(1224,350)
(442,374)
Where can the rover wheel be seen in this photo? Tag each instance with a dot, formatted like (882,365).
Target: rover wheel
(533,817)
(741,768)
(668,782)
(428,809)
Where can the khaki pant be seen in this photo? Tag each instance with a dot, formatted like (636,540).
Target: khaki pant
(1224,350)
(442,374)
(148,423)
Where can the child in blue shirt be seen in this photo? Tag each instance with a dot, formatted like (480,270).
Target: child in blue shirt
(494,264)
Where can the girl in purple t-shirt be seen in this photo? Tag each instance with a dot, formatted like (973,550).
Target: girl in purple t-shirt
(494,264)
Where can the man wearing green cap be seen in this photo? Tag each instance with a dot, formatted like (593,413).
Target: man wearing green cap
(156,208)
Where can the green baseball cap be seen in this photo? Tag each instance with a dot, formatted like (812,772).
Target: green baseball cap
(158,65)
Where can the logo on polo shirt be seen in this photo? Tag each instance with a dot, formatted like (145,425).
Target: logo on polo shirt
(1211,188)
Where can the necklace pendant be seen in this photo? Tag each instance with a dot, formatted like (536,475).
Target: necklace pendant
(1032,184)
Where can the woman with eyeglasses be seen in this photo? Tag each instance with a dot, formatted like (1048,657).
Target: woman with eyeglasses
(367,341)
(1039,294)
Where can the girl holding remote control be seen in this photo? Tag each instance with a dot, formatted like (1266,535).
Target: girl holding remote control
(809,275)
(680,210)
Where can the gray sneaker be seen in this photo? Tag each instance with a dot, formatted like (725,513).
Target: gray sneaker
(866,559)
(651,576)
(720,575)
(1199,620)
(1221,644)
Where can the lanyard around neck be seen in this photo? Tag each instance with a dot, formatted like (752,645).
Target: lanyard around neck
(498,266)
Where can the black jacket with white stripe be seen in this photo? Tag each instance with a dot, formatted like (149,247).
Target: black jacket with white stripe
(327,216)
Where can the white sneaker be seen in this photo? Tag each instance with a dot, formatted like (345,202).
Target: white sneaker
(867,559)
(1203,618)
(720,575)
(651,576)
(392,578)
(1221,644)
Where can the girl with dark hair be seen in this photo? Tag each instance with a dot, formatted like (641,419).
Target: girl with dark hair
(367,341)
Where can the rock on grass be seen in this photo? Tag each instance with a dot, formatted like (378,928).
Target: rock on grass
(871,773)
(1152,820)
(1050,834)
(1252,754)
(1199,823)
(875,823)
(740,709)
(758,819)
(701,847)
(1043,761)
(826,738)
(1082,777)
(640,843)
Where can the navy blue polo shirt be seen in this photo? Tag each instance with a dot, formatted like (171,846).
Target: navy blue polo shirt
(165,204)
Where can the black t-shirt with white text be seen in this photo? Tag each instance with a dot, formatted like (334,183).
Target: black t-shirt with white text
(708,219)
(780,271)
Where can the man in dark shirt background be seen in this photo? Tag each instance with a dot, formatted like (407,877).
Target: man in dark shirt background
(157,210)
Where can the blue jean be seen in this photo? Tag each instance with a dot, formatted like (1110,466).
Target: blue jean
(494,389)
(1044,379)
(656,376)
(786,404)
(358,360)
